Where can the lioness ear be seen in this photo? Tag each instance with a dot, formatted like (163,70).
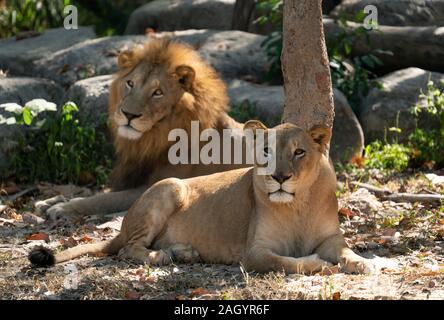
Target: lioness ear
(320,135)
(254,125)
(185,75)
(125,59)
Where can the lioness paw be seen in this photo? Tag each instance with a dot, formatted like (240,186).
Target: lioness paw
(359,265)
(158,258)
(312,264)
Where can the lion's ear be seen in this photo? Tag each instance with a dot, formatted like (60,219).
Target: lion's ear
(320,135)
(185,75)
(254,125)
(125,59)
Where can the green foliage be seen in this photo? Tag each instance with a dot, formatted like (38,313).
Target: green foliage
(108,17)
(30,15)
(350,74)
(57,147)
(393,156)
(429,142)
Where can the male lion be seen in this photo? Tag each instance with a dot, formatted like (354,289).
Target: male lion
(284,221)
(162,85)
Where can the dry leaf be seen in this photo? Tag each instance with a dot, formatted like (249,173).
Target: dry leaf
(346,212)
(38,236)
(199,292)
(85,239)
(336,296)
(69,242)
(132,295)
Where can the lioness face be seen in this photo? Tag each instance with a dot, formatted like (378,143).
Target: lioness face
(296,154)
(148,92)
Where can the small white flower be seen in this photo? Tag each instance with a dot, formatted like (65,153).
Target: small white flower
(12,107)
(41,105)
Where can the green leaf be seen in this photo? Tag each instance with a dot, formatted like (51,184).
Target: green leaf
(27,116)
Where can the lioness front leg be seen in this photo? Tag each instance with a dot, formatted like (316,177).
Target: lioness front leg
(335,250)
(101,204)
(264,260)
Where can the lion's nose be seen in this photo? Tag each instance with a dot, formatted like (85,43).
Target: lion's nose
(281,177)
(130,116)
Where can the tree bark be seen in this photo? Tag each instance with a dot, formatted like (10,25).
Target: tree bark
(305,66)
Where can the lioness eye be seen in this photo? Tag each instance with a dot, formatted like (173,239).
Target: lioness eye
(299,153)
(158,93)
(129,84)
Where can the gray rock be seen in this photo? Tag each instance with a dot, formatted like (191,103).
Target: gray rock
(87,59)
(234,54)
(172,15)
(18,57)
(348,136)
(91,95)
(381,108)
(397,12)
(21,90)
(268,101)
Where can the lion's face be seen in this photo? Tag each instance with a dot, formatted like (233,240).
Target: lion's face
(296,154)
(149,93)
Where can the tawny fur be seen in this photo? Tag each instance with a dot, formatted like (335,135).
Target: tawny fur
(141,163)
(236,216)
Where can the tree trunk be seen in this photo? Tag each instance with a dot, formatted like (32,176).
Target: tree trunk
(305,66)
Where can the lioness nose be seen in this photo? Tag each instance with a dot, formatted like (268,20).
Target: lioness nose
(280,177)
(130,116)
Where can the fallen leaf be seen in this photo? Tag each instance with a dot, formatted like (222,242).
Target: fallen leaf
(441,221)
(38,236)
(336,296)
(69,242)
(346,212)
(132,295)
(199,292)
(85,239)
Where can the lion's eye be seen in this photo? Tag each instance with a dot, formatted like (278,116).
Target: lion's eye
(158,93)
(129,84)
(299,153)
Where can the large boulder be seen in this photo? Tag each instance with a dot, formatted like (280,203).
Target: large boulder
(397,12)
(20,91)
(87,59)
(91,95)
(268,101)
(172,15)
(232,53)
(18,56)
(391,106)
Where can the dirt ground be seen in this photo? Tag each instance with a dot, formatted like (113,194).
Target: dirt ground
(406,238)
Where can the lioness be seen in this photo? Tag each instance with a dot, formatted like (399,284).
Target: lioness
(284,221)
(161,85)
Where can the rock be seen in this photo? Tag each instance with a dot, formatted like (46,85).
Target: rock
(91,95)
(397,12)
(172,15)
(87,59)
(268,101)
(363,202)
(19,56)
(382,107)
(232,53)
(20,91)
(348,137)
